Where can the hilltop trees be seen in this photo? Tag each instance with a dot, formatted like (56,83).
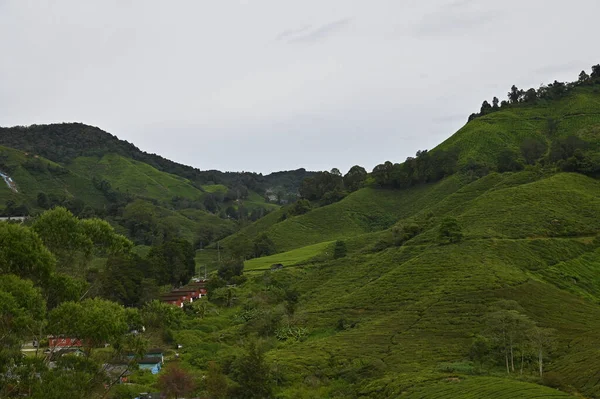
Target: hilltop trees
(425,167)
(355,178)
(552,91)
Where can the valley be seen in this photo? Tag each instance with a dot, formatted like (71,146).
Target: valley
(468,271)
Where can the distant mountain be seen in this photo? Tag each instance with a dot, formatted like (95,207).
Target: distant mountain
(92,172)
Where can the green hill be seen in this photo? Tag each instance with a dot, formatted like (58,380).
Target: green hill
(400,314)
(409,314)
(470,271)
(93,173)
(483,139)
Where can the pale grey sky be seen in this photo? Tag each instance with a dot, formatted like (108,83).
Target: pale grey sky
(279,84)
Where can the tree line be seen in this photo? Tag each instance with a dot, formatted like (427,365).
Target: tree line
(551,91)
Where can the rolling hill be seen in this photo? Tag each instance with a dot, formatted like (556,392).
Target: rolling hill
(399,318)
(479,281)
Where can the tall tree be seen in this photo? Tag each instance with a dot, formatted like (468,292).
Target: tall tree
(94,321)
(253,374)
(514,94)
(355,178)
(216,382)
(23,253)
(495,103)
(542,340)
(175,382)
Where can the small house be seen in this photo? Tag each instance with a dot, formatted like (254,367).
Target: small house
(64,342)
(153,364)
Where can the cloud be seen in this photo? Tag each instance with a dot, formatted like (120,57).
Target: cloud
(293,32)
(557,68)
(455,18)
(307,35)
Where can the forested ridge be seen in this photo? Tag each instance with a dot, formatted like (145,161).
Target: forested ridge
(471,270)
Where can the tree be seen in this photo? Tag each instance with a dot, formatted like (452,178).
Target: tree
(175,382)
(480,350)
(514,94)
(231,268)
(216,382)
(382,174)
(508,161)
(22,311)
(450,231)
(263,246)
(486,108)
(595,72)
(339,250)
(300,207)
(172,262)
(530,96)
(355,178)
(94,321)
(161,315)
(253,374)
(532,150)
(22,253)
(542,340)
(42,200)
(495,102)
(583,77)
(74,241)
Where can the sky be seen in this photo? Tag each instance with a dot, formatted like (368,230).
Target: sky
(271,85)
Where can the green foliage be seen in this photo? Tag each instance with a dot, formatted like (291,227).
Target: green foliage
(159,314)
(339,249)
(450,231)
(175,382)
(231,268)
(94,321)
(23,253)
(172,262)
(299,207)
(263,246)
(74,241)
(253,374)
(355,178)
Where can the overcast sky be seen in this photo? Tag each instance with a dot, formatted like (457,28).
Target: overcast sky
(280,84)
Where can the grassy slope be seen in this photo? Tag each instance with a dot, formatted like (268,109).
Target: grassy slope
(528,237)
(361,212)
(291,258)
(69,184)
(482,139)
(135,177)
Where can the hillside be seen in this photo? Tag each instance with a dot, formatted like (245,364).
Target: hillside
(401,313)
(93,173)
(409,313)
(469,271)
(482,140)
